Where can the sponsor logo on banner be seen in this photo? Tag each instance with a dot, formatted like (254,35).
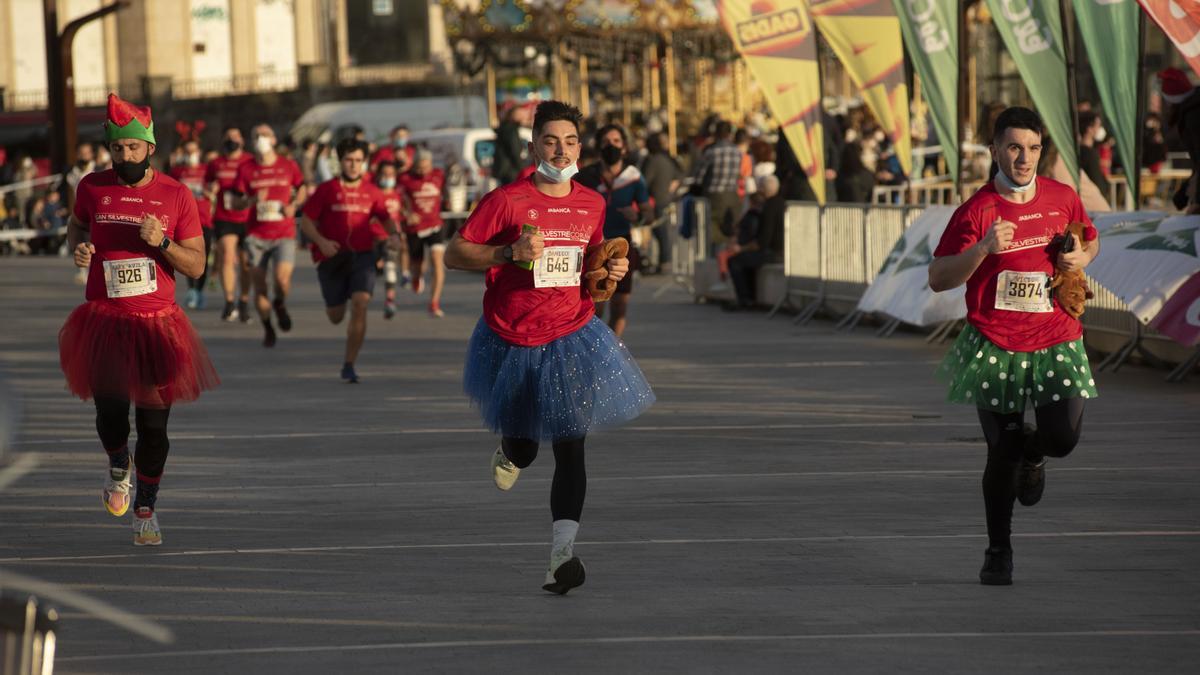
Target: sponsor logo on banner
(789,23)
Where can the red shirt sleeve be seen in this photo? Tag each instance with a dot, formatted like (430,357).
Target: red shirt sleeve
(316,202)
(83,203)
(242,182)
(379,209)
(960,234)
(188,226)
(488,220)
(210,172)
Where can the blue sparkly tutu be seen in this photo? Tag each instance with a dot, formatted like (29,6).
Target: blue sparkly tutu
(560,390)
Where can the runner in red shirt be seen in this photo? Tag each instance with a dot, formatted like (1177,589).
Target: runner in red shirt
(130,343)
(422,189)
(394,259)
(338,220)
(540,365)
(1006,243)
(191,173)
(229,224)
(274,188)
(396,150)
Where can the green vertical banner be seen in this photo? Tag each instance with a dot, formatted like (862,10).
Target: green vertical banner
(930,29)
(1032,32)
(1109,29)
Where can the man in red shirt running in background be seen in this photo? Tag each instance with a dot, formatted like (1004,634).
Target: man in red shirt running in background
(337,219)
(274,187)
(540,365)
(1020,346)
(396,150)
(422,189)
(395,261)
(130,343)
(191,173)
(229,224)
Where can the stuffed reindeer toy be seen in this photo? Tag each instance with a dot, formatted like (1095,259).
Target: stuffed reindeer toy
(1071,288)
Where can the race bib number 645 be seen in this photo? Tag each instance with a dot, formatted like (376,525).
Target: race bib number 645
(558,266)
(1023,292)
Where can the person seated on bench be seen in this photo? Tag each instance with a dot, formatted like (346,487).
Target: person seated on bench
(764,249)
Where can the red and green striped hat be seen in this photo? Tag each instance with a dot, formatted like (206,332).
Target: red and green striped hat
(126,120)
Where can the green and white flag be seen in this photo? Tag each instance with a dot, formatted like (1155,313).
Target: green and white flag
(930,29)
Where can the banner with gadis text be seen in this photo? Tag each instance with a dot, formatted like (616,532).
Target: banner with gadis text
(776,39)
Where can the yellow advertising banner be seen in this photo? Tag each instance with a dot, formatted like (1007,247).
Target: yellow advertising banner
(776,39)
(865,35)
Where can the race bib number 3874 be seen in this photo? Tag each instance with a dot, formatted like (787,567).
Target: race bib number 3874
(1023,292)
(558,266)
(127,278)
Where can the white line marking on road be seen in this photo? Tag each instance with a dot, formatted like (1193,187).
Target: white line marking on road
(632,542)
(641,639)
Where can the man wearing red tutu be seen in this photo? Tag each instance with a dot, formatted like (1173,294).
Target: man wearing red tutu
(132,228)
(540,365)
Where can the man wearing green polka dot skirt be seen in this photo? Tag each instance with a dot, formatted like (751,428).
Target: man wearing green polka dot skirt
(1020,347)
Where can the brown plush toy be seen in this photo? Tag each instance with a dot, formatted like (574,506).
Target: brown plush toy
(595,274)
(1071,288)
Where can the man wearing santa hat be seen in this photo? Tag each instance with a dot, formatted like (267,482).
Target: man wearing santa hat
(130,343)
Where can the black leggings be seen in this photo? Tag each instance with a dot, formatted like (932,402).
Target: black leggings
(570,479)
(1058,427)
(112,423)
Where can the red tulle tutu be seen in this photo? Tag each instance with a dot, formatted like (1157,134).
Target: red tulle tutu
(152,359)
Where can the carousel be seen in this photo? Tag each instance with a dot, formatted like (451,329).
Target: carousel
(661,64)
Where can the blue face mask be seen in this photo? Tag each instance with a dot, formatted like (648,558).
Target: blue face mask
(387,183)
(555,174)
(400,142)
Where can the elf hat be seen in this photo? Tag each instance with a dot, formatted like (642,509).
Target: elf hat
(126,120)
(1175,85)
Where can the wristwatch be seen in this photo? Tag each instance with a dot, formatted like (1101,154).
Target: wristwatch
(164,244)
(507,253)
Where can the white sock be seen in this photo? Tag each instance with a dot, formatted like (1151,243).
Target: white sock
(564,536)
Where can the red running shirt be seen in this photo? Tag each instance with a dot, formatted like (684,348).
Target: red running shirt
(1038,223)
(513,308)
(192,178)
(113,213)
(343,214)
(272,186)
(425,195)
(224,172)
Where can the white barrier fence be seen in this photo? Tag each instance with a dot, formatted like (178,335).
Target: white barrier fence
(833,253)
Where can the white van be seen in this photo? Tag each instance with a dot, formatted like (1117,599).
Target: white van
(473,149)
(330,122)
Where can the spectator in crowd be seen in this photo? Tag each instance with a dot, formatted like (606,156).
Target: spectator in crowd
(85,163)
(6,169)
(1091,133)
(25,173)
(511,152)
(716,177)
(746,172)
(308,162)
(855,182)
(764,248)
(1154,145)
(662,175)
(793,182)
(1052,166)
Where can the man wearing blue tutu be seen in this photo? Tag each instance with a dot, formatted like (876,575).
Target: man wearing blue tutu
(540,365)
(1023,343)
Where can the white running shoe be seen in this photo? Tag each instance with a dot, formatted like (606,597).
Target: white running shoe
(116,490)
(565,572)
(504,472)
(145,527)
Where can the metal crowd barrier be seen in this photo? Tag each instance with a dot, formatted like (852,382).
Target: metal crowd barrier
(833,253)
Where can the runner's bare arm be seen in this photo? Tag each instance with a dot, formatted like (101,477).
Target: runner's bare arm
(952,271)
(77,239)
(187,256)
(328,247)
(464,255)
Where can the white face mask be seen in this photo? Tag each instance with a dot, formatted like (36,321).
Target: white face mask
(263,145)
(387,183)
(193,159)
(1011,185)
(555,174)
(1101,134)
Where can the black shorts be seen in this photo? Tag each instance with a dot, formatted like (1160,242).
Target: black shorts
(342,277)
(417,245)
(223,228)
(635,263)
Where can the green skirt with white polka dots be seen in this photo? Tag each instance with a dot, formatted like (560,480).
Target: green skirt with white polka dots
(991,378)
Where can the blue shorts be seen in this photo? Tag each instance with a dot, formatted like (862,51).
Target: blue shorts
(342,277)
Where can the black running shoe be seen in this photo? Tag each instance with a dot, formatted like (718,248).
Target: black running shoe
(243,311)
(268,334)
(568,575)
(348,373)
(281,313)
(997,567)
(229,314)
(1031,477)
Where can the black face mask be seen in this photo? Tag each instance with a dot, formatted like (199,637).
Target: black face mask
(611,154)
(132,172)
(230,146)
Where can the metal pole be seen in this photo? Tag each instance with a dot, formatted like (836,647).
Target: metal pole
(584,96)
(963,92)
(669,60)
(1068,21)
(1140,121)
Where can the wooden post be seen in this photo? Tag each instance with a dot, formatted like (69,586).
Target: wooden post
(585,105)
(490,73)
(669,68)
